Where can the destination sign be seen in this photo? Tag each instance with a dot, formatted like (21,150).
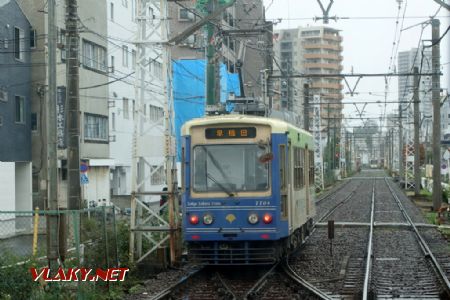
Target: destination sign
(230,133)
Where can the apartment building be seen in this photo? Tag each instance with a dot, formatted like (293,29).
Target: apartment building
(94,74)
(310,50)
(124,110)
(407,60)
(16,122)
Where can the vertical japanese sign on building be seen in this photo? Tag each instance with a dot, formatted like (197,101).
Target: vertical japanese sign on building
(61,131)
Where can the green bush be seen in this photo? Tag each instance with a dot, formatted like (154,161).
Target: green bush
(15,281)
(445,195)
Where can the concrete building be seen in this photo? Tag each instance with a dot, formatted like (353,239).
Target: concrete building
(407,60)
(16,121)
(254,49)
(311,50)
(94,75)
(123,111)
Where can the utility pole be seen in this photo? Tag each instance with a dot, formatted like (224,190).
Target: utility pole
(52,173)
(400,143)
(317,135)
(212,70)
(73,115)
(436,87)
(306,106)
(416,133)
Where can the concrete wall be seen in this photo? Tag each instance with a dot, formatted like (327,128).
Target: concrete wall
(7,186)
(15,76)
(121,23)
(23,193)
(98,186)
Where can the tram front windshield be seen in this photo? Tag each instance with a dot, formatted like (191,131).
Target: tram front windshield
(230,168)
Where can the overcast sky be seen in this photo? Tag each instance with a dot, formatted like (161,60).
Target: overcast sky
(368,38)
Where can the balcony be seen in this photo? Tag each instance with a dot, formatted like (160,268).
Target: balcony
(322,46)
(332,37)
(323,66)
(337,96)
(326,85)
(322,55)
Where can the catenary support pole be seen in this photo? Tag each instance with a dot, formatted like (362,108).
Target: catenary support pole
(435,62)
(52,171)
(416,133)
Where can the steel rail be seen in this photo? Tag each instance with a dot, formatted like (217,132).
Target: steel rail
(295,277)
(164,294)
(352,193)
(228,291)
(423,244)
(369,248)
(332,192)
(251,293)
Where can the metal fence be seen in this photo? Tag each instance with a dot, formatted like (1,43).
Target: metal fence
(87,238)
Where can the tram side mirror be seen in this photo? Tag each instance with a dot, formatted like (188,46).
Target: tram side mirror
(265,158)
(263,144)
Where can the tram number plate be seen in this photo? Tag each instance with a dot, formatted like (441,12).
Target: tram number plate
(230,133)
(262,203)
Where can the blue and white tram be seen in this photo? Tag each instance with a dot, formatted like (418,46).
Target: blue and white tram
(247,189)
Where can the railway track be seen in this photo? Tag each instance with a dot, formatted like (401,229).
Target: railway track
(400,263)
(372,256)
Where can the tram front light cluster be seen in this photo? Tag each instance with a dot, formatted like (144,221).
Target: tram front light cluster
(253,218)
(267,218)
(193,219)
(207,219)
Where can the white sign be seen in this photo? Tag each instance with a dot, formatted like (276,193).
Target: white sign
(446,155)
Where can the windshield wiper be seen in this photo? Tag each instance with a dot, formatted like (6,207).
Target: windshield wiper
(224,175)
(229,193)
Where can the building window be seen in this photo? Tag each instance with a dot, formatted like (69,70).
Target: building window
(185,15)
(19,43)
(133,58)
(95,127)
(113,121)
(125,56)
(62,44)
(157,69)
(33,38)
(156,113)
(126,113)
(157,175)
(3,95)
(94,56)
(34,122)
(112,64)
(20,109)
(112,11)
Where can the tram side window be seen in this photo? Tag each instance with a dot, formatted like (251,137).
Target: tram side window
(299,165)
(282,167)
(311,167)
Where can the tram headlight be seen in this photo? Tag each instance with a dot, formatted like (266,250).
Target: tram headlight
(253,218)
(193,219)
(208,219)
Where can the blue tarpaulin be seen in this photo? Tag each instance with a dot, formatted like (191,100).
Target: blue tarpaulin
(189,91)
